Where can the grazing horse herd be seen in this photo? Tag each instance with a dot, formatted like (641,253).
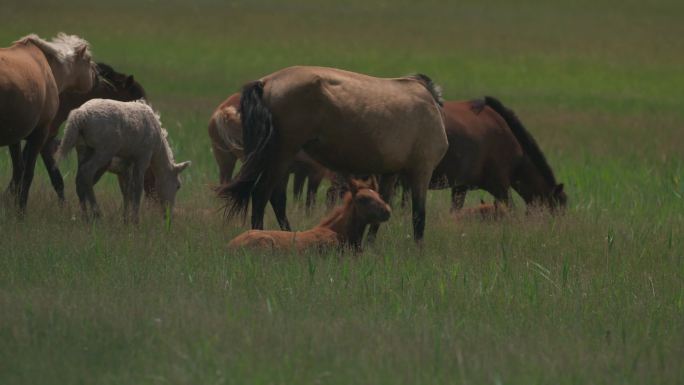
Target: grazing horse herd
(314,122)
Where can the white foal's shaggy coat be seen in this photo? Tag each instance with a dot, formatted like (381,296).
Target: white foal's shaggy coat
(127,136)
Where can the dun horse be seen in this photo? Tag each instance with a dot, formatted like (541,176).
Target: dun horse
(32,75)
(125,136)
(112,85)
(344,227)
(348,122)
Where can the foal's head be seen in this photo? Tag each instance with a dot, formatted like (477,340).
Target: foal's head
(367,203)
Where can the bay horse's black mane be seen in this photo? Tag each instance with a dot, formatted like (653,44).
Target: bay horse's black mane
(120,80)
(434,89)
(523,136)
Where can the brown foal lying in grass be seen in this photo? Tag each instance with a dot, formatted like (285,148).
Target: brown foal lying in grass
(484,211)
(343,227)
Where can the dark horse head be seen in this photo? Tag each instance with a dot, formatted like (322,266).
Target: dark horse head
(534,180)
(117,86)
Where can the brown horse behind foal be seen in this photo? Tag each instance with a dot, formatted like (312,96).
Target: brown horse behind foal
(32,75)
(349,122)
(344,227)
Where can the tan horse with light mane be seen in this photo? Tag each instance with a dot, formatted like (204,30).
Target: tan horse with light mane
(348,122)
(32,75)
(344,227)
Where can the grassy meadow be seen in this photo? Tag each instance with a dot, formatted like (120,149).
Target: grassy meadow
(594,296)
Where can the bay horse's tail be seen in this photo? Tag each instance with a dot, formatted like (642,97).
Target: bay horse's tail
(258,137)
(527,142)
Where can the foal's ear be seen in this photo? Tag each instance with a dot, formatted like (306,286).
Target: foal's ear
(181,166)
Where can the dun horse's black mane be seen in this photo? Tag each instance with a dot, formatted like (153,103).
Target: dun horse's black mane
(526,140)
(435,90)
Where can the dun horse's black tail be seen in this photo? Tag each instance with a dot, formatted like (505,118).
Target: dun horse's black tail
(523,136)
(258,136)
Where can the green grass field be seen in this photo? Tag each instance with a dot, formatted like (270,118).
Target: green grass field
(595,296)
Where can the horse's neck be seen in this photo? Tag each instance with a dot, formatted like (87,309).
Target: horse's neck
(532,185)
(345,223)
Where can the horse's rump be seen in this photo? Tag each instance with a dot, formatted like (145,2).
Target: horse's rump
(341,113)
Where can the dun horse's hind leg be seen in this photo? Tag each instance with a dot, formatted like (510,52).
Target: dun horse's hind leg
(387,183)
(47,153)
(264,191)
(458,196)
(419,186)
(279,204)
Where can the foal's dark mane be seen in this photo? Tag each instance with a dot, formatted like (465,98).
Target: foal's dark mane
(434,89)
(523,136)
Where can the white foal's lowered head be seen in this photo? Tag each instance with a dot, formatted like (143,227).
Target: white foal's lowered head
(168,185)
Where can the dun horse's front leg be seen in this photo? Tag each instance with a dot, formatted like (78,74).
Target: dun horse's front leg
(387,183)
(419,186)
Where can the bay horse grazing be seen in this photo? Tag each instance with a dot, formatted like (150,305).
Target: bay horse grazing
(485,211)
(349,122)
(128,137)
(490,149)
(344,227)
(32,75)
(112,85)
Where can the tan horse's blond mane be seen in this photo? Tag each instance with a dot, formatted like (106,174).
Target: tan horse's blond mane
(62,47)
